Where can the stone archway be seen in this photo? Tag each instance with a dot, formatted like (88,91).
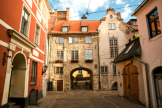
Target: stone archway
(114,86)
(81,68)
(17,80)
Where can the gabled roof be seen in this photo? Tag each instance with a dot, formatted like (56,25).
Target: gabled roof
(84,23)
(134,50)
(75,26)
(131,26)
(51,22)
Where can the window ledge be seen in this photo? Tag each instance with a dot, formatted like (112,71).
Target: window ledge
(155,37)
(114,75)
(33,84)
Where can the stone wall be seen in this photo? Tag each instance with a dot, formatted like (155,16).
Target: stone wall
(68,67)
(105,34)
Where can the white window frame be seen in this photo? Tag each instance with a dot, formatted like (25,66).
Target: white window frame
(73,40)
(29,21)
(88,54)
(114,70)
(85,29)
(39,31)
(87,40)
(112,26)
(60,54)
(113,47)
(64,30)
(59,41)
(74,55)
(104,67)
(59,70)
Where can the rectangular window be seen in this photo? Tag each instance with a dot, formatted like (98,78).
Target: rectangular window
(73,40)
(59,70)
(88,54)
(104,69)
(24,22)
(34,71)
(84,29)
(60,55)
(37,34)
(134,22)
(113,48)
(60,40)
(80,72)
(64,29)
(112,26)
(74,55)
(88,39)
(114,69)
(154,23)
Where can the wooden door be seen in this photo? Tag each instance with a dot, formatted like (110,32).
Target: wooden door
(59,85)
(130,80)
(134,91)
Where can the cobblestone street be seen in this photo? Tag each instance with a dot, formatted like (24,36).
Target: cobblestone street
(83,99)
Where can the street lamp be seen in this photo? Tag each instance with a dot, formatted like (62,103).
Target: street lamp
(44,70)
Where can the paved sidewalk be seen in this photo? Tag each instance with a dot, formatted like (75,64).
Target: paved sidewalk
(123,103)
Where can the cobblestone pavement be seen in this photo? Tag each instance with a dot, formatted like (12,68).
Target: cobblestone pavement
(77,99)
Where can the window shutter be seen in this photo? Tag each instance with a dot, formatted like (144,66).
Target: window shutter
(70,40)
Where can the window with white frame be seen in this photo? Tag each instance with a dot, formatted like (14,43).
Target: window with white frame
(112,26)
(60,55)
(34,72)
(80,72)
(24,22)
(134,22)
(74,55)
(64,29)
(113,48)
(60,40)
(37,34)
(73,40)
(84,29)
(104,69)
(114,69)
(59,70)
(88,39)
(88,54)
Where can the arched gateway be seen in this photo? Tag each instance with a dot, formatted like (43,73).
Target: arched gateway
(85,83)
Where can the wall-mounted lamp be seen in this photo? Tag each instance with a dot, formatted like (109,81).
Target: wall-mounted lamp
(4,58)
(44,70)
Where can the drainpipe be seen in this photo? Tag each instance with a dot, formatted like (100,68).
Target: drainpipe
(147,79)
(99,62)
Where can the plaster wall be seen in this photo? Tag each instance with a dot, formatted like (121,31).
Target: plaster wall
(151,47)
(105,34)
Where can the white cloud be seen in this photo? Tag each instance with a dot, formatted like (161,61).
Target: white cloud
(77,6)
(126,12)
(120,2)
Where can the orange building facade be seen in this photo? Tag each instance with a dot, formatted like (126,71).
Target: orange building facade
(23,26)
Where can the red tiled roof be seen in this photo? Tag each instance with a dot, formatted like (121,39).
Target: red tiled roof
(84,23)
(50,24)
(134,26)
(75,26)
(66,23)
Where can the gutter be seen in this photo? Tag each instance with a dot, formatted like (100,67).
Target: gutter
(99,64)
(147,79)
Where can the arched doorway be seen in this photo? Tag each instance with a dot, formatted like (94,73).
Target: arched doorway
(84,80)
(17,81)
(114,86)
(130,82)
(158,85)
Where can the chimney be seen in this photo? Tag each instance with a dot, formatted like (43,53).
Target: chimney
(119,14)
(67,14)
(55,12)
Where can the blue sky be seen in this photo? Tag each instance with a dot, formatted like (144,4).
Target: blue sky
(79,7)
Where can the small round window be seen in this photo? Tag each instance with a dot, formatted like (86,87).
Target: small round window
(111,16)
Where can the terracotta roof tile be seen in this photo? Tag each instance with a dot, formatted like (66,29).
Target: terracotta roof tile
(66,23)
(84,23)
(50,24)
(134,26)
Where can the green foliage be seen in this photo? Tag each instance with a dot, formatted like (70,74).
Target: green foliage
(135,36)
(130,40)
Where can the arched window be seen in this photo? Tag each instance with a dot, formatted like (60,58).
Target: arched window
(111,16)
(158,85)
(115,86)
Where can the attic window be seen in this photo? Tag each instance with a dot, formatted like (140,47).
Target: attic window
(130,46)
(84,29)
(64,29)
(111,16)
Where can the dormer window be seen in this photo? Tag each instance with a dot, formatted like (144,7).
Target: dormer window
(64,29)
(134,22)
(84,29)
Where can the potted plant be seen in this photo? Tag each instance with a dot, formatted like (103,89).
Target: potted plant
(89,60)
(59,61)
(74,61)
